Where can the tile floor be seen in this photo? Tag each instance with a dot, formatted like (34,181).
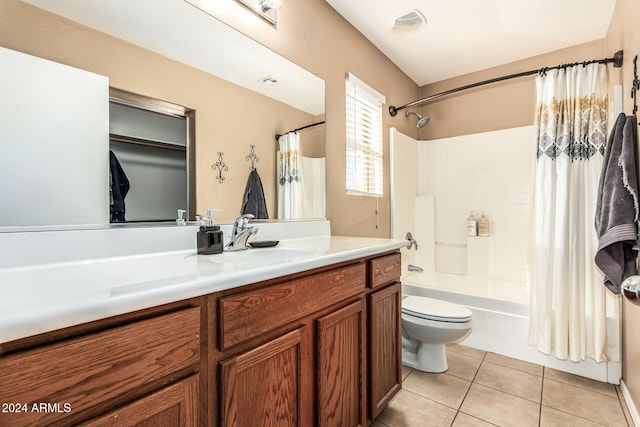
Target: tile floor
(487,389)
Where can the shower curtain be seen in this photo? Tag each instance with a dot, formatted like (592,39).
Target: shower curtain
(568,302)
(290,177)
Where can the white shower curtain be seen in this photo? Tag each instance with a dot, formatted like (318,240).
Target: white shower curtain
(568,300)
(289,176)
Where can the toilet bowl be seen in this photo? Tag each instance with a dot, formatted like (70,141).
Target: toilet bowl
(427,325)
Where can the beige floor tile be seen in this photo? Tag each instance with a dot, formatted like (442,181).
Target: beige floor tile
(464,420)
(521,365)
(550,417)
(377,424)
(462,366)
(465,351)
(442,388)
(512,381)
(583,403)
(500,408)
(408,410)
(589,384)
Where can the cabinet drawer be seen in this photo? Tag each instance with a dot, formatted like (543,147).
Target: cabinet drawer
(88,374)
(175,405)
(386,269)
(250,314)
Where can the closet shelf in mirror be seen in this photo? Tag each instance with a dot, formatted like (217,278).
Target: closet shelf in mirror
(146,142)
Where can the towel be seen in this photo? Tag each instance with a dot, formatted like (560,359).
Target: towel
(254,202)
(617,205)
(119,187)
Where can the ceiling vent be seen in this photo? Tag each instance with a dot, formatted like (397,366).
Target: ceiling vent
(411,20)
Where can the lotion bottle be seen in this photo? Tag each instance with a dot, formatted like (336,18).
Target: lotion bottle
(472,225)
(483,226)
(210,239)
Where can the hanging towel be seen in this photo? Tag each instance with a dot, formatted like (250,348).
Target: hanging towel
(254,202)
(616,217)
(119,187)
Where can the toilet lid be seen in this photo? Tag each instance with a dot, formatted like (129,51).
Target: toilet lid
(433,309)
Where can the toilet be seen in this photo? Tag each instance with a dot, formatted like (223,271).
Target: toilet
(427,325)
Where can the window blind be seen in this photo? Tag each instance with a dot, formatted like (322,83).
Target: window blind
(364,138)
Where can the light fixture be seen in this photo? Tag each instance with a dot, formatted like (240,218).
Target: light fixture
(266,5)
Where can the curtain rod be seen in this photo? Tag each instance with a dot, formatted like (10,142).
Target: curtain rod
(617,62)
(278,135)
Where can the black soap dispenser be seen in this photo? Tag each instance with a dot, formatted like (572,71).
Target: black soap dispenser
(210,239)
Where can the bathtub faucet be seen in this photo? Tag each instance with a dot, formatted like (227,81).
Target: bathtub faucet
(412,241)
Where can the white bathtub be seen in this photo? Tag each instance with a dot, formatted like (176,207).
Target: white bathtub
(500,322)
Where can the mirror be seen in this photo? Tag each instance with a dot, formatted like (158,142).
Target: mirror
(195,42)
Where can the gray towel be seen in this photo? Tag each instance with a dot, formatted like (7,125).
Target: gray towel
(254,202)
(617,209)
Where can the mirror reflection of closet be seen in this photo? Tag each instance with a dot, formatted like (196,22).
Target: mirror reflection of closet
(151,141)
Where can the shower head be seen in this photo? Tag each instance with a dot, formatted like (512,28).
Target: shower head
(421,120)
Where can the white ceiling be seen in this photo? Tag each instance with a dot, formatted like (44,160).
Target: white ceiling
(463,36)
(185,33)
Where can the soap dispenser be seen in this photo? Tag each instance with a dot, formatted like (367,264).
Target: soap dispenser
(210,239)
(181,219)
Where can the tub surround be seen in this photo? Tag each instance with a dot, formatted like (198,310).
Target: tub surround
(50,295)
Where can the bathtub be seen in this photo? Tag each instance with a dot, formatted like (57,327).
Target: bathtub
(500,321)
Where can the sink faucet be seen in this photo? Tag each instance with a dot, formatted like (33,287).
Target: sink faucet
(240,234)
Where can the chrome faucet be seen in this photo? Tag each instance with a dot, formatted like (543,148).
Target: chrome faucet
(240,233)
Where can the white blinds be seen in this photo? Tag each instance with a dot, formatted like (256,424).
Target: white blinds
(364,138)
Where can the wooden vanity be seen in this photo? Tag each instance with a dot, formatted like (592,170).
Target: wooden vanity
(318,347)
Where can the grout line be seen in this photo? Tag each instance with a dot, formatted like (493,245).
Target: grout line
(573,415)
(514,368)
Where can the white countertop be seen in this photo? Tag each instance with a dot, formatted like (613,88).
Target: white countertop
(41,298)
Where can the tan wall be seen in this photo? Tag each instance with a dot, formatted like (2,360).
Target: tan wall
(502,105)
(624,33)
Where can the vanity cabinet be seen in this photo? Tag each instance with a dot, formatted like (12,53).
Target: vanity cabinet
(320,347)
(316,348)
(175,405)
(341,367)
(105,371)
(385,347)
(264,385)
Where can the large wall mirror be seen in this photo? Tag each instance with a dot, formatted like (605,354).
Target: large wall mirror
(194,40)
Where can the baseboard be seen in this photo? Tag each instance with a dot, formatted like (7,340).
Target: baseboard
(633,410)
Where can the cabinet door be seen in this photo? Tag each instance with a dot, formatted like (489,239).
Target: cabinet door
(385,351)
(341,367)
(265,386)
(176,405)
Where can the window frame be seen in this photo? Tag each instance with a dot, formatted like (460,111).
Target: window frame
(364,139)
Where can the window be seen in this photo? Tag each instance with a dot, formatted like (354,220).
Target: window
(364,138)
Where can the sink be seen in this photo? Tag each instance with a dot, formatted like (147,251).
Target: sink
(262,255)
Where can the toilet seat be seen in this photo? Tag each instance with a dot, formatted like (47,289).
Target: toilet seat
(436,310)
